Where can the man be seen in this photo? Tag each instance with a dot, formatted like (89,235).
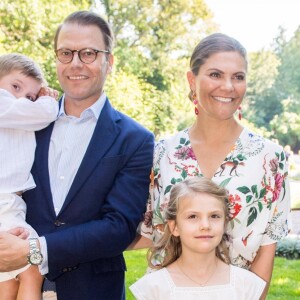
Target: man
(91,169)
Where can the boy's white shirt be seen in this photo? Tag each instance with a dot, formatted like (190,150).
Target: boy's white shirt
(23,114)
(19,118)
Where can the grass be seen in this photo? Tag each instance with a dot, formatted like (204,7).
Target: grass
(285,283)
(136,267)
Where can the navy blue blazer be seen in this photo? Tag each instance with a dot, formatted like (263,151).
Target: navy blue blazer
(101,212)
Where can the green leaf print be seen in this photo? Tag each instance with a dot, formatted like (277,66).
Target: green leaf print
(282,156)
(157,211)
(168,188)
(182,141)
(184,174)
(240,157)
(262,193)
(260,206)
(244,189)
(254,189)
(173,180)
(252,215)
(249,198)
(225,182)
(281,165)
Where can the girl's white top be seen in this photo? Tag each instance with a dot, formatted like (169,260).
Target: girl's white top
(158,285)
(19,118)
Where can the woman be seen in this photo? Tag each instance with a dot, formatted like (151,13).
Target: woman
(217,146)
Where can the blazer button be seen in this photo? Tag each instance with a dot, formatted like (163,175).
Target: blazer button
(58,223)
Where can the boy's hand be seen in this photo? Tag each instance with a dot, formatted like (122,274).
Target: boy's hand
(20,232)
(47,91)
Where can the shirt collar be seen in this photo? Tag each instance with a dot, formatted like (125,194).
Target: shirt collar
(94,109)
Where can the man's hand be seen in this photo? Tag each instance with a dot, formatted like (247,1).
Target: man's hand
(13,252)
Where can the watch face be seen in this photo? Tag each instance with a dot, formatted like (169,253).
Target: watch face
(36,258)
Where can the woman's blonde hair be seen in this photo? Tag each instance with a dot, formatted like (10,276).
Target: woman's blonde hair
(169,246)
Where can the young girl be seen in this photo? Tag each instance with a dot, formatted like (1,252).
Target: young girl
(195,264)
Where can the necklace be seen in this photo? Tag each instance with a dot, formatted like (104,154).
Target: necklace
(198,283)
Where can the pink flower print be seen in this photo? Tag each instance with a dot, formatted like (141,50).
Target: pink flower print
(274,165)
(185,153)
(191,154)
(234,206)
(278,186)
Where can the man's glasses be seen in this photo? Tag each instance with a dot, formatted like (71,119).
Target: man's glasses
(86,55)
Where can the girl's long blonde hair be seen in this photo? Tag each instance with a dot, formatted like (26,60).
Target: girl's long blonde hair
(168,248)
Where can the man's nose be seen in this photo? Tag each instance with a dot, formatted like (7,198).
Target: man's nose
(76,60)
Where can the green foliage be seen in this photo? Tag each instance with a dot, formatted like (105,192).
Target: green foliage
(28,27)
(286,128)
(261,101)
(139,100)
(153,39)
(273,98)
(288,248)
(290,66)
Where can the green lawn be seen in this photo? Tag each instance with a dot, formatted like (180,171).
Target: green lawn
(285,283)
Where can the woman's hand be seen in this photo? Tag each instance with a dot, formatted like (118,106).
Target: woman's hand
(140,242)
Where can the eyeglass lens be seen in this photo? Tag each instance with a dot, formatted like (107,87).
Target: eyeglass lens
(85,55)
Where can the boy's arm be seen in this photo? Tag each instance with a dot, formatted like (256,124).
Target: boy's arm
(24,114)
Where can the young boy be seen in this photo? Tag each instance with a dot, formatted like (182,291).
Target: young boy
(23,110)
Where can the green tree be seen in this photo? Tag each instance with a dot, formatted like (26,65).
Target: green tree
(286,128)
(28,27)
(262,101)
(289,75)
(153,39)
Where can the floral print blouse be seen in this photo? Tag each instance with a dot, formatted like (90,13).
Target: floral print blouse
(254,173)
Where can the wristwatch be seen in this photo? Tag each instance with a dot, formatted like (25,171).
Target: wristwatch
(35,256)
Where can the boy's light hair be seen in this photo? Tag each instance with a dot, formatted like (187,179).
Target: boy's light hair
(19,62)
(169,246)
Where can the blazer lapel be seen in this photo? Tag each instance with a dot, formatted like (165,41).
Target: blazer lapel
(105,133)
(41,156)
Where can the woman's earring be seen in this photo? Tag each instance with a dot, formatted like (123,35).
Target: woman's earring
(240,113)
(195,101)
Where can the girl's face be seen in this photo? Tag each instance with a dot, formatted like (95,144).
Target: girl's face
(200,223)
(220,84)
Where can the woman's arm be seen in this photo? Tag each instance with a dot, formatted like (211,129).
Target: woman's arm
(140,242)
(263,265)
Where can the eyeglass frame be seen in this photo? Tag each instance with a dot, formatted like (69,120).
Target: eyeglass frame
(79,56)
